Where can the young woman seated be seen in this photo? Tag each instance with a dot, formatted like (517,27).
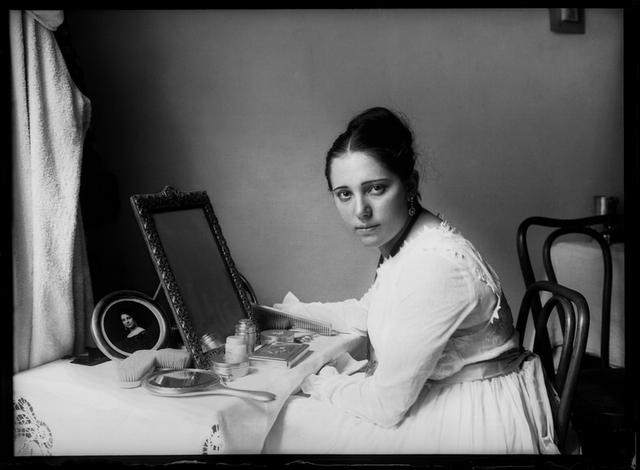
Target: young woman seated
(446,374)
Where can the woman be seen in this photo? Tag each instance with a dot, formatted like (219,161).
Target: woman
(446,374)
(136,337)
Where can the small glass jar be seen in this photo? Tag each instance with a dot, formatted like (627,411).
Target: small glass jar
(229,372)
(245,327)
(210,342)
(235,349)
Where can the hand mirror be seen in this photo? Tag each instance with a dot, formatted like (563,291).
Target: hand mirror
(194,382)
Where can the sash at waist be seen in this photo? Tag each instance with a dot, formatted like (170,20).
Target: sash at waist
(504,364)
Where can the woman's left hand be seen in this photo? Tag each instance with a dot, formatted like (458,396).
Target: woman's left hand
(312,384)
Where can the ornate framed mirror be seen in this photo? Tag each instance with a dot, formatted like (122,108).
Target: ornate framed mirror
(195,267)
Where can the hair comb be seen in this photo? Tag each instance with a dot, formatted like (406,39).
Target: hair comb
(269,318)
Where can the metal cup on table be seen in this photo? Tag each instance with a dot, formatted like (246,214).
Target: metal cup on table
(605,205)
(245,327)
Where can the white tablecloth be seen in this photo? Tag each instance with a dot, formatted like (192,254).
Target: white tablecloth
(579,266)
(66,409)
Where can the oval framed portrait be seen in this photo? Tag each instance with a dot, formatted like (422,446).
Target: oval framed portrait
(124,322)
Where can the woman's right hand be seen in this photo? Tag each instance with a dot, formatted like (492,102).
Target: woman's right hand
(292,305)
(299,309)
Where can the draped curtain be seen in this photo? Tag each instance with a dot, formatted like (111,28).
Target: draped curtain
(52,290)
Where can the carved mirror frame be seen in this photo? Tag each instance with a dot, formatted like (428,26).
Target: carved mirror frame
(170,199)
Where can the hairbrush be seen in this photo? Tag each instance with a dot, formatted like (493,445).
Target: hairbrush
(168,358)
(134,368)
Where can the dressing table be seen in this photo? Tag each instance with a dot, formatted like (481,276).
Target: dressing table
(66,409)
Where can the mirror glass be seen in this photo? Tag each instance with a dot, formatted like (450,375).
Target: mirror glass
(184,378)
(197,272)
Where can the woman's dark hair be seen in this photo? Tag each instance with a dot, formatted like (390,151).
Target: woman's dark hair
(381,134)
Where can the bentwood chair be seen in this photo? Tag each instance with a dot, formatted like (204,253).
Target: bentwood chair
(584,226)
(599,405)
(573,312)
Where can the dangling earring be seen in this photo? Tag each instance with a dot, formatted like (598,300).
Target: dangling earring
(412,209)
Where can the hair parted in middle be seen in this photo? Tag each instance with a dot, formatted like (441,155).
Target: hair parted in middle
(381,134)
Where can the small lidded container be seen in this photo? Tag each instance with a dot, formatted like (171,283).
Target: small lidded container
(210,342)
(229,372)
(235,349)
(245,327)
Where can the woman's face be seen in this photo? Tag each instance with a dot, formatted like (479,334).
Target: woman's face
(127,321)
(371,199)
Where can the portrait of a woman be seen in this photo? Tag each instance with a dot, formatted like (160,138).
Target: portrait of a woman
(135,337)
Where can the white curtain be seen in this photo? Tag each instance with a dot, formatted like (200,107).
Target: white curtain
(52,291)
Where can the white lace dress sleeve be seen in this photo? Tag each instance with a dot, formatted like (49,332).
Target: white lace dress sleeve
(416,312)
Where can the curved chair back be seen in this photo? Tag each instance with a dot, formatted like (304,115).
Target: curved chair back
(573,312)
(563,227)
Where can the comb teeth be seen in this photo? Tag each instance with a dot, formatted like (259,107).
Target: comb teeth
(280,322)
(270,318)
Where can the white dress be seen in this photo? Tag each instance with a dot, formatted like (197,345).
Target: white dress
(434,308)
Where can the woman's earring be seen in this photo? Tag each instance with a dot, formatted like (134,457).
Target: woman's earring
(412,209)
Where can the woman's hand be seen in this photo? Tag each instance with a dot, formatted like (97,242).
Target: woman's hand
(312,385)
(291,304)
(344,365)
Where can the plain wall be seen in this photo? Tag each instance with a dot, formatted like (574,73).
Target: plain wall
(511,118)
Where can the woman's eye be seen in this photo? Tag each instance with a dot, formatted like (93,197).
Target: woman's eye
(343,195)
(377,189)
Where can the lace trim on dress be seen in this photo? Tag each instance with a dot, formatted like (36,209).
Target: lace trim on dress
(483,271)
(444,227)
(31,435)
